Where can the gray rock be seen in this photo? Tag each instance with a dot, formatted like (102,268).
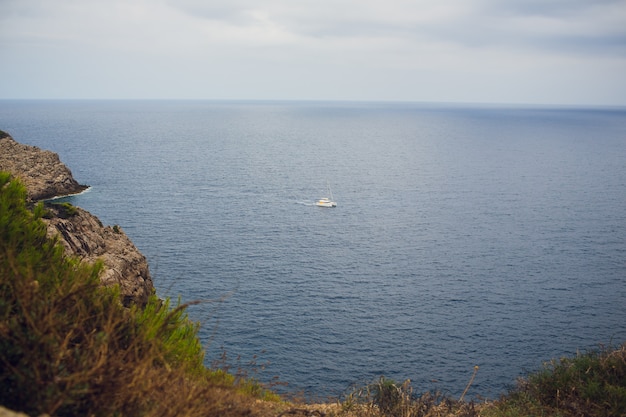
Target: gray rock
(83,235)
(42,172)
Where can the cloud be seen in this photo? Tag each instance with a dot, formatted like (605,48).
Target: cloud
(582,26)
(471,23)
(305,48)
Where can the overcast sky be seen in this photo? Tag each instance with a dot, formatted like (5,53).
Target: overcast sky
(484,51)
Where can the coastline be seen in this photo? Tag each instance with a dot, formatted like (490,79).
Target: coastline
(58,197)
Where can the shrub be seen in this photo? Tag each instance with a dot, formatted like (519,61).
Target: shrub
(591,383)
(386,398)
(63,210)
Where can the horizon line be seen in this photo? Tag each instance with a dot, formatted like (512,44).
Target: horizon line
(353,101)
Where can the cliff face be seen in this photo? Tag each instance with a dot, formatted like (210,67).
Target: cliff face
(81,233)
(42,172)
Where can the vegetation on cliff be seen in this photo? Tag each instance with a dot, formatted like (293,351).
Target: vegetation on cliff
(69,347)
(81,234)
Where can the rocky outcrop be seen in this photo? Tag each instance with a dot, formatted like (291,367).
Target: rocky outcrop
(81,233)
(42,172)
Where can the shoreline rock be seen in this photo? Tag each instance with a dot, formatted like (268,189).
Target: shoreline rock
(81,233)
(42,172)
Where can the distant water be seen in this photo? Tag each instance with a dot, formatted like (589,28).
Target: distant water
(463,236)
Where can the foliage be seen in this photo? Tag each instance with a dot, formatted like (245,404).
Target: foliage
(591,383)
(68,347)
(65,210)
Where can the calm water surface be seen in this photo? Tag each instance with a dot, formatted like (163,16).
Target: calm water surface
(463,236)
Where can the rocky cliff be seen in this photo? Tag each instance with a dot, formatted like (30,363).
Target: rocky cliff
(42,172)
(81,233)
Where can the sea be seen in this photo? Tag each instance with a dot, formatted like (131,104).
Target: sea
(464,235)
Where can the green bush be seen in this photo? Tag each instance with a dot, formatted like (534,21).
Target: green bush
(591,383)
(66,210)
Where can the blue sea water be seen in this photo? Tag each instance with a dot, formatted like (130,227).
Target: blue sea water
(464,235)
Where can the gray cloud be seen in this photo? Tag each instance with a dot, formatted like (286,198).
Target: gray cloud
(552,8)
(404,49)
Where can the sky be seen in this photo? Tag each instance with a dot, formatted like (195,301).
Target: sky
(569,52)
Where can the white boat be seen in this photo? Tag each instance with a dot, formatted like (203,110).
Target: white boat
(325,201)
